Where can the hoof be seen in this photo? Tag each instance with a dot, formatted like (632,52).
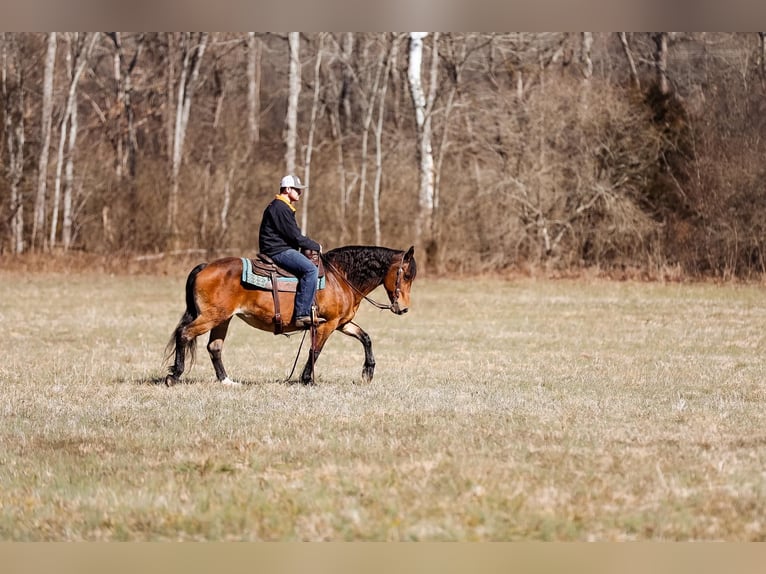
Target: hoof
(170,381)
(229,383)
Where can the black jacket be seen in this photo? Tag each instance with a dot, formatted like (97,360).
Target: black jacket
(279,231)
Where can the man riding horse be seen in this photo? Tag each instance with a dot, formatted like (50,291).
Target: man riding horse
(281,239)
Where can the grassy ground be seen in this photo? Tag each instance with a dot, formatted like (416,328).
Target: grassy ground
(529,410)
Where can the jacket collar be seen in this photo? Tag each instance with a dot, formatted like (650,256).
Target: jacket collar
(283,197)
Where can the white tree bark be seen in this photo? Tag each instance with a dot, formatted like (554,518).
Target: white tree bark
(13,127)
(291,120)
(661,61)
(423,121)
(193,50)
(45,140)
(253,87)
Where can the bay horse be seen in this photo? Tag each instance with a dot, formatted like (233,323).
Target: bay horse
(214,294)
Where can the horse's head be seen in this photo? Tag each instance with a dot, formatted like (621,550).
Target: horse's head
(398,281)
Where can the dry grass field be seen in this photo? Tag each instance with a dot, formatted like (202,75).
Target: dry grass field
(565,410)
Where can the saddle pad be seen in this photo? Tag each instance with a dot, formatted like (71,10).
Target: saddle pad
(249,277)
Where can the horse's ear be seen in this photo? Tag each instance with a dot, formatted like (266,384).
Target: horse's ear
(409,254)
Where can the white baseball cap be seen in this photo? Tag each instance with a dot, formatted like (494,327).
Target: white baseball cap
(291,181)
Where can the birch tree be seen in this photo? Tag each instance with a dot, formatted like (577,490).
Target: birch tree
(423,108)
(46,120)
(294,92)
(80,48)
(192,50)
(13,128)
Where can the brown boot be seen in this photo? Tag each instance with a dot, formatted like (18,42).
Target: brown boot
(305,321)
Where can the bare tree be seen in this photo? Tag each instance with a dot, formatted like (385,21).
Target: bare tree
(661,61)
(369,108)
(291,120)
(219,90)
(585,55)
(423,108)
(125,136)
(13,127)
(45,139)
(253,87)
(80,48)
(390,60)
(192,50)
(347,80)
(312,130)
(631,61)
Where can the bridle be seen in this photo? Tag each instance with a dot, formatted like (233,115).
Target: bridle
(394,306)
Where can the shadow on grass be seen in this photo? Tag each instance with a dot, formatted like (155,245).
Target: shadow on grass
(159,381)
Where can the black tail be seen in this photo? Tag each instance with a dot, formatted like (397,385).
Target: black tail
(191,313)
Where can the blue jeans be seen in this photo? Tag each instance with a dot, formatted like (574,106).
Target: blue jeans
(307,274)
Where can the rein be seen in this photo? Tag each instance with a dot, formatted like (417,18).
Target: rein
(397,289)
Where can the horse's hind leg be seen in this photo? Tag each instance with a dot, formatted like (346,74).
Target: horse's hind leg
(355,331)
(181,347)
(215,349)
(185,338)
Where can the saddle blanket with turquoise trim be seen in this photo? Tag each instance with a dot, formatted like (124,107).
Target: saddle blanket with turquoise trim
(249,277)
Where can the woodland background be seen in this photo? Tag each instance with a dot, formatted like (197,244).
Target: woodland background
(637,152)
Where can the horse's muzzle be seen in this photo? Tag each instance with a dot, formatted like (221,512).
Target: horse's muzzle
(395,308)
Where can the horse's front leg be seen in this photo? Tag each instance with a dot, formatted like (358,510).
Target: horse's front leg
(353,330)
(322,334)
(215,350)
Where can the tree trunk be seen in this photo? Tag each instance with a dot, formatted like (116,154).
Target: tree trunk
(585,55)
(631,61)
(80,49)
(13,127)
(392,52)
(291,120)
(661,62)
(344,103)
(220,94)
(368,113)
(310,141)
(193,49)
(253,88)
(125,137)
(424,151)
(45,140)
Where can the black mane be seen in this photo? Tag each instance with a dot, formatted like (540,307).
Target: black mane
(365,266)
